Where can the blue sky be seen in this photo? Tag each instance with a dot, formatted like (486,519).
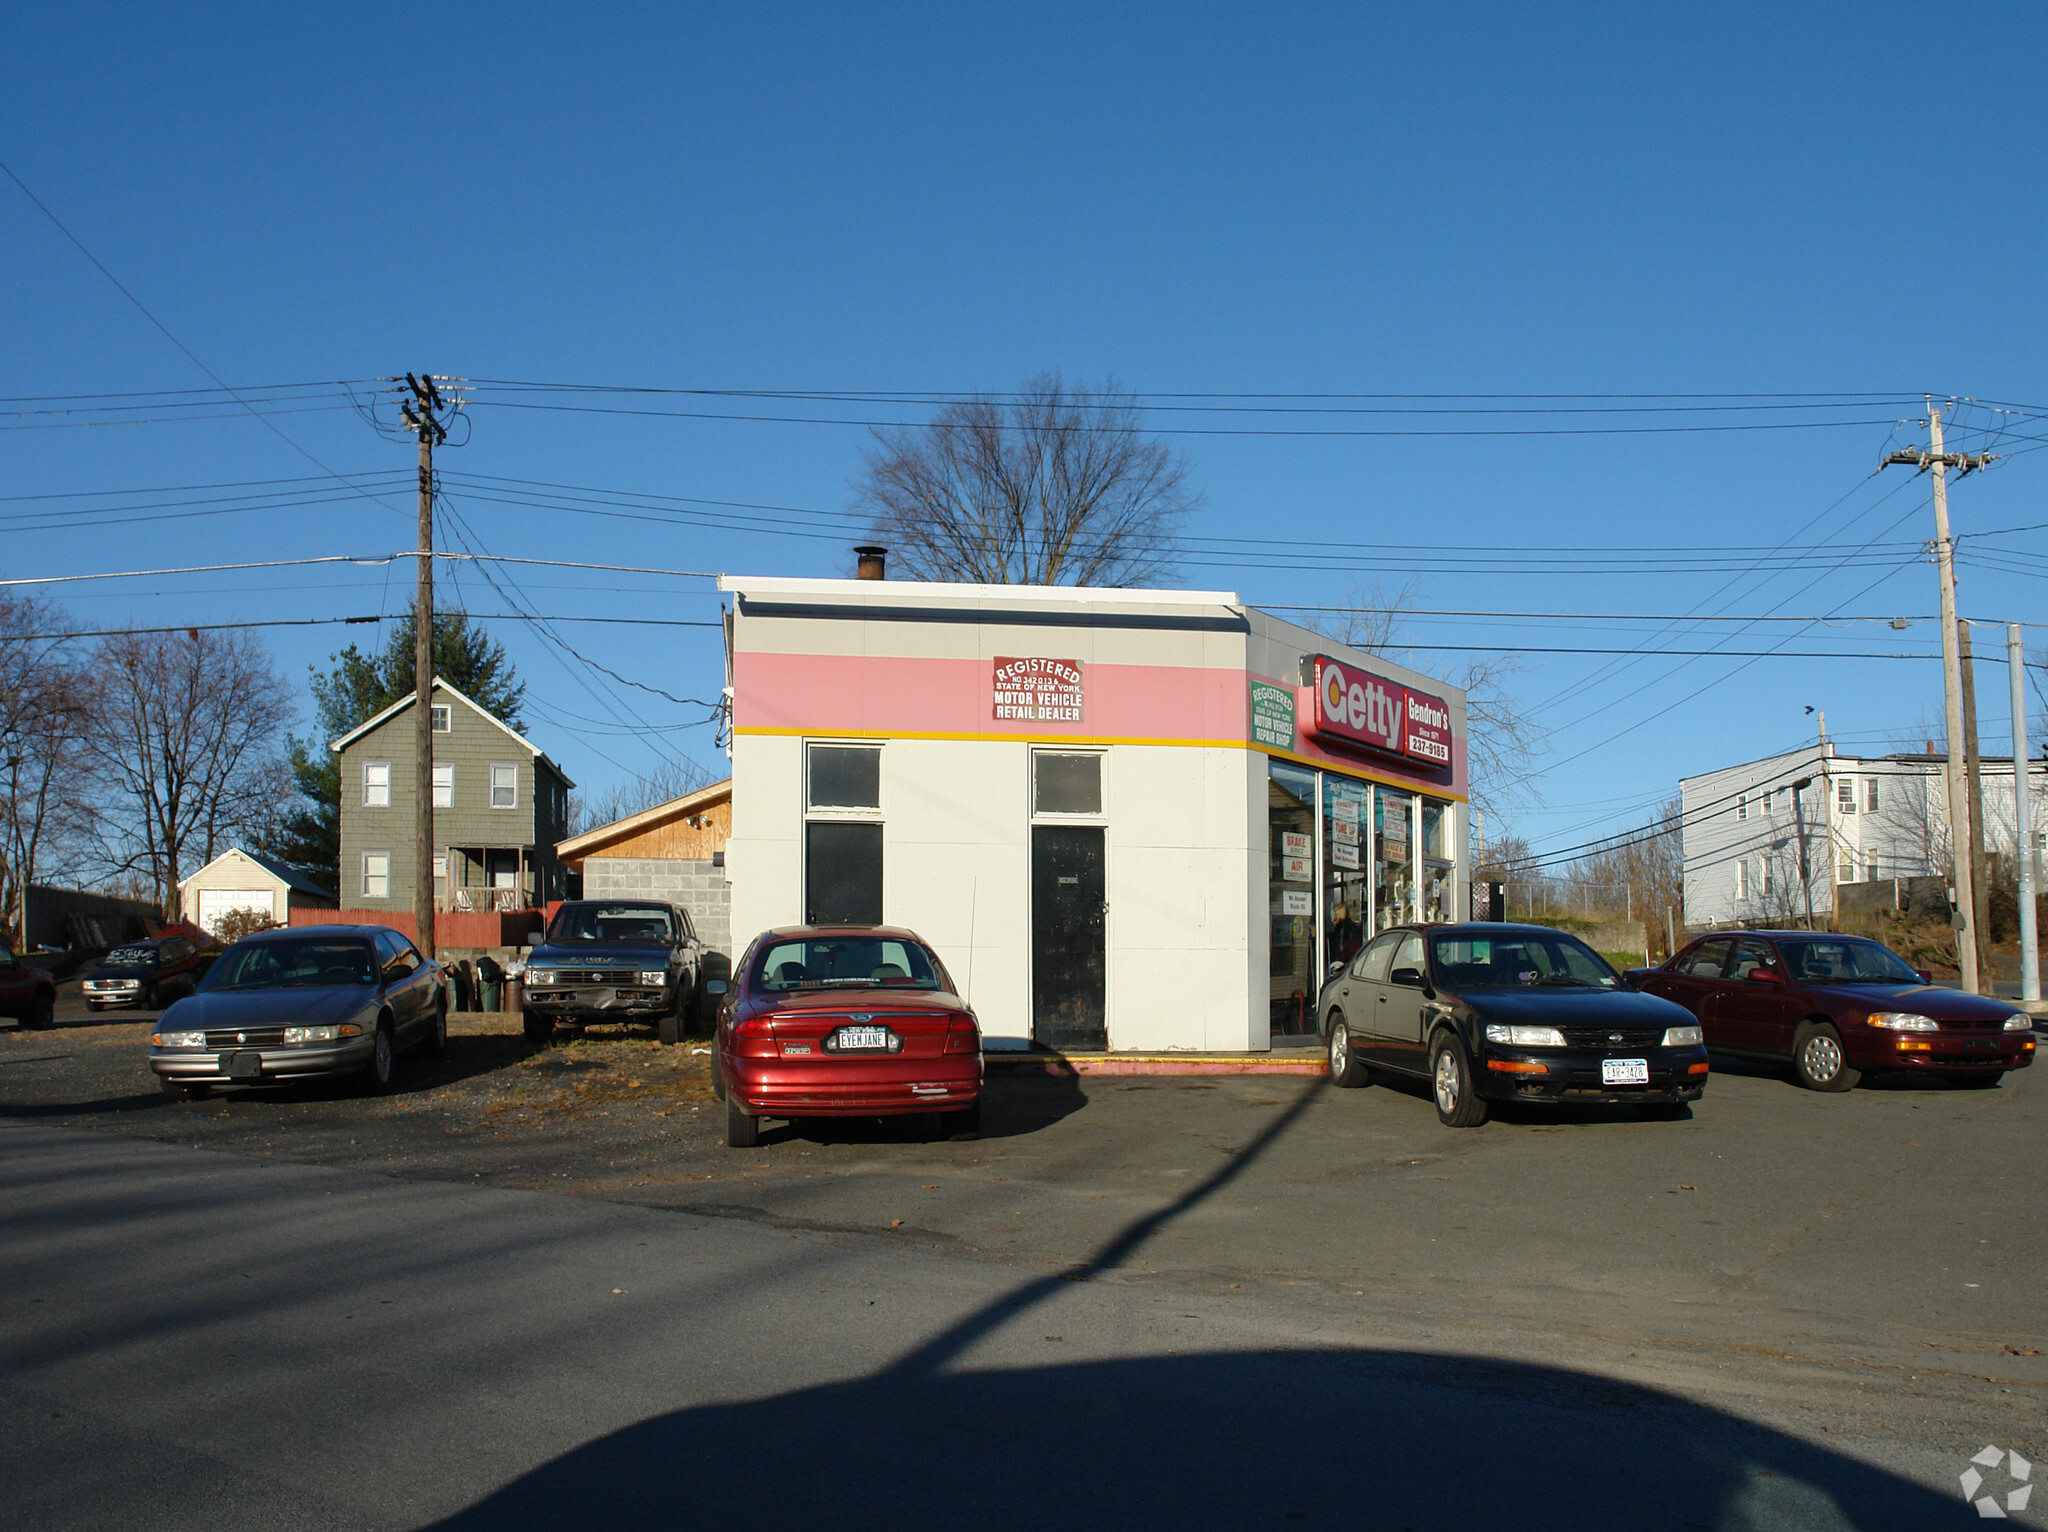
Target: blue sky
(1449,200)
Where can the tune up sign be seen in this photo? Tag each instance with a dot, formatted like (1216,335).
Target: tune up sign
(1360,708)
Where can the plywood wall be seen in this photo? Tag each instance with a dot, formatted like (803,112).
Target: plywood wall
(679,838)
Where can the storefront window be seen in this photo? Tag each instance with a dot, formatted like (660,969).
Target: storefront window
(1291,822)
(1436,861)
(1394,859)
(1347,807)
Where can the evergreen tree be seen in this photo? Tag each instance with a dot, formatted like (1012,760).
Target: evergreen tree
(358,687)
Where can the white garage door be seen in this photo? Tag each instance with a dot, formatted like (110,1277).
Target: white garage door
(216,902)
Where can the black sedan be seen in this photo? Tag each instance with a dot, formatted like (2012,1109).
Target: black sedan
(1488,1012)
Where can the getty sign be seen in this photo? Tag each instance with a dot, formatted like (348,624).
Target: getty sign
(1360,708)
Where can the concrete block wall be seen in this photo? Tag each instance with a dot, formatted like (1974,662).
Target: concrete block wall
(698,887)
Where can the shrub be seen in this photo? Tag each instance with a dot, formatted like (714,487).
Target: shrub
(236,924)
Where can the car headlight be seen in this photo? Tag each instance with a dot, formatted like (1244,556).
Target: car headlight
(178,1040)
(654,976)
(334,1034)
(540,976)
(1681,1037)
(1904,1021)
(2018,1023)
(1523,1037)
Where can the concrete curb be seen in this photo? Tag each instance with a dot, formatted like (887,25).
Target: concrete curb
(1152,1064)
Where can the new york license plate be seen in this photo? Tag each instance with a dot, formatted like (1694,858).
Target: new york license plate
(858,1039)
(1624,1071)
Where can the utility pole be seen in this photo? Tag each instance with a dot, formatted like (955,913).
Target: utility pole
(1939,462)
(1973,777)
(2023,817)
(1799,822)
(431,433)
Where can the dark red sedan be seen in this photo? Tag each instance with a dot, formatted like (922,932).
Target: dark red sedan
(844,1021)
(1837,1008)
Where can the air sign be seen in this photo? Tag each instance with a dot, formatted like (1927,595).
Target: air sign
(1360,708)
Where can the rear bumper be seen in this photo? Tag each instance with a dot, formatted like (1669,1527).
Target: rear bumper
(1572,1076)
(875,1087)
(275,1065)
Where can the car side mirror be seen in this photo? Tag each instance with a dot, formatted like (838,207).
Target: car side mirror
(1407,978)
(714,986)
(1765,976)
(1926,977)
(1335,969)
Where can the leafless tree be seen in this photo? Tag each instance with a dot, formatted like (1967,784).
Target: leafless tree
(43,714)
(658,784)
(1052,485)
(186,738)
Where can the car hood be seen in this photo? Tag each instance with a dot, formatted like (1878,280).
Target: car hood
(311,1005)
(125,971)
(599,955)
(1562,1005)
(1918,999)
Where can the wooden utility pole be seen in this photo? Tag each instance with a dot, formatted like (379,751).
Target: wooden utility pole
(1973,777)
(1939,462)
(431,433)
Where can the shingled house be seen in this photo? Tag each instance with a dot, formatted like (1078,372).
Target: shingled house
(500,805)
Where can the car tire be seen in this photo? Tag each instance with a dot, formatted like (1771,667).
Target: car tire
(1818,1060)
(1977,1082)
(41,1014)
(717,1074)
(436,1042)
(670,1027)
(1662,1111)
(1345,1069)
(184,1090)
(383,1066)
(963,1127)
(742,1130)
(1451,1085)
(538,1029)
(91,1005)
(150,998)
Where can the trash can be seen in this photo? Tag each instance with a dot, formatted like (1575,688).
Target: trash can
(451,987)
(491,980)
(515,993)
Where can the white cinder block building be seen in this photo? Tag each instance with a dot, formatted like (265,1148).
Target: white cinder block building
(1863,819)
(1126,819)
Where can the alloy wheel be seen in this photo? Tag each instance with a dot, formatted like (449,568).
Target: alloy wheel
(1340,1049)
(1448,1084)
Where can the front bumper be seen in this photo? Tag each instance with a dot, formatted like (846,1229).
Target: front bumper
(273,1066)
(1944,1052)
(126,992)
(1572,1076)
(866,1087)
(594,999)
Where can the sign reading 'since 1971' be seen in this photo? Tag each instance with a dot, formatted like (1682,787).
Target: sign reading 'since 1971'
(1360,708)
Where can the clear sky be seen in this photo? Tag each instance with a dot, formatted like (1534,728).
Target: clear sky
(1443,200)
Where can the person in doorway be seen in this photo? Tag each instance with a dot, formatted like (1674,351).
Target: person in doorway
(1346,935)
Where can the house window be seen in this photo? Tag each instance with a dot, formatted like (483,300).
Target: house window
(504,787)
(1770,801)
(444,787)
(439,713)
(376,875)
(376,784)
(440,866)
(1742,806)
(1870,796)
(1065,784)
(844,777)
(843,838)
(1845,795)
(1742,880)
(1845,869)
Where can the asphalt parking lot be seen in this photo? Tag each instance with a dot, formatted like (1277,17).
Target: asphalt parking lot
(1865,1263)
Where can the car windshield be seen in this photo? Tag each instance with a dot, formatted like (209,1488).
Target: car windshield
(845,962)
(643,925)
(1524,959)
(1845,962)
(132,957)
(296,964)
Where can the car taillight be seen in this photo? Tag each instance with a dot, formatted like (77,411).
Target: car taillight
(754,1038)
(754,1026)
(962,1036)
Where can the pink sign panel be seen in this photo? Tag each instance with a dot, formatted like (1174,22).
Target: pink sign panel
(1037,690)
(1357,707)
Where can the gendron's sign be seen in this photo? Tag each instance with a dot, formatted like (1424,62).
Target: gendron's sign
(1361,708)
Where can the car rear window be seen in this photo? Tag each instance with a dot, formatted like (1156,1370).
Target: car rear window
(823,962)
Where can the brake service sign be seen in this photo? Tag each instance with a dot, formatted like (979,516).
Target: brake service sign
(1360,708)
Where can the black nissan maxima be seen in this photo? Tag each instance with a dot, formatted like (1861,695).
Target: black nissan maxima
(1487,1012)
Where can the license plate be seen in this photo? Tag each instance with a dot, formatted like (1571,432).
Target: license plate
(1624,1071)
(861,1039)
(245,1066)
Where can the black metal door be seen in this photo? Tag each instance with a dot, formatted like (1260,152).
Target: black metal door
(1067,909)
(842,874)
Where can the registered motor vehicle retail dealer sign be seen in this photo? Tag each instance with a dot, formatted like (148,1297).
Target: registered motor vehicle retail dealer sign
(1038,691)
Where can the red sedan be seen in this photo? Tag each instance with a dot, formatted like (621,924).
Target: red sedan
(844,1021)
(1837,1008)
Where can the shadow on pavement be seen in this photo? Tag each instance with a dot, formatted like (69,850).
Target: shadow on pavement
(1010,1108)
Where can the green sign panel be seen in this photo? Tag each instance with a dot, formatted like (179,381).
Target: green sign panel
(1272,716)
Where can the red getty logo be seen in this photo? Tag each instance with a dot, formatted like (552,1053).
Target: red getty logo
(1364,709)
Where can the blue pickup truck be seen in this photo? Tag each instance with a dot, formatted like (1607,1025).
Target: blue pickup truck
(609,961)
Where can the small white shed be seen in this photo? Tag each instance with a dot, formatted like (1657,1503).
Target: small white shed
(247,880)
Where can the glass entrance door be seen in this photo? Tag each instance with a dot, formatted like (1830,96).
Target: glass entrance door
(1291,896)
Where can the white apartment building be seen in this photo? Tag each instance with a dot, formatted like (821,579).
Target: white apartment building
(1850,819)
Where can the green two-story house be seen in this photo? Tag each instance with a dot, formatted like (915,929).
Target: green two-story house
(500,805)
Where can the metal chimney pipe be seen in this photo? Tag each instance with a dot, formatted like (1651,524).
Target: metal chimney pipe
(874,563)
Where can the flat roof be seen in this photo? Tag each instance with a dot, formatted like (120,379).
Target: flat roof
(950,593)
